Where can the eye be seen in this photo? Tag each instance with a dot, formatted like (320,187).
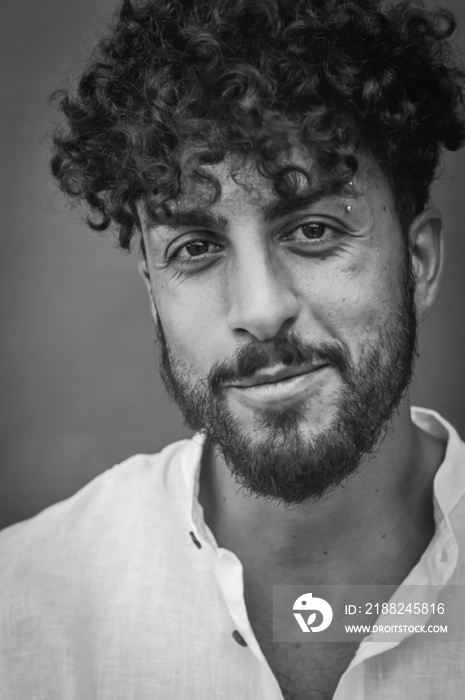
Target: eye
(197,249)
(311,232)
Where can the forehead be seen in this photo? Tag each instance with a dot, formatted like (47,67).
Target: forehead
(221,181)
(223,189)
(294,178)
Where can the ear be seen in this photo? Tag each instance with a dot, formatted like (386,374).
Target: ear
(145,274)
(426,245)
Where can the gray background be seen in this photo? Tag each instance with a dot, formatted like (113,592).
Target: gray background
(80,389)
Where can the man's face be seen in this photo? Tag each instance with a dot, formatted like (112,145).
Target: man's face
(287,335)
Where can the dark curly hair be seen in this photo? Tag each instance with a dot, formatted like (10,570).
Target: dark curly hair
(254,78)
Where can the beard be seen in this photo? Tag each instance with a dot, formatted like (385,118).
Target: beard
(291,464)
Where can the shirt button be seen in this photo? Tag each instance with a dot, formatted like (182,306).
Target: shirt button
(195,540)
(239,638)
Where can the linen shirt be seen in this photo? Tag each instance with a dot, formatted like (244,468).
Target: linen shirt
(107,595)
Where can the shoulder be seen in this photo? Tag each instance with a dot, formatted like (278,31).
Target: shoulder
(77,577)
(109,512)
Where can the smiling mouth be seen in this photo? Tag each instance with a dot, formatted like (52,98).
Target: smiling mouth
(282,375)
(279,387)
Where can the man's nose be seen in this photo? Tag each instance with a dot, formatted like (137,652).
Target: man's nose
(260,294)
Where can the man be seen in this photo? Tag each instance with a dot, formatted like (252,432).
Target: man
(276,158)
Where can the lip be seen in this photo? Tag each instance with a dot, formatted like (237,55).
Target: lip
(276,375)
(281,387)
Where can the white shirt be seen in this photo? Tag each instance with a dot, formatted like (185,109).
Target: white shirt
(107,596)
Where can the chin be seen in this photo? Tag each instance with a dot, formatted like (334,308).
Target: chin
(316,411)
(278,422)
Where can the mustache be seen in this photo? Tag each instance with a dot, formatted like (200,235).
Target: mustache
(288,348)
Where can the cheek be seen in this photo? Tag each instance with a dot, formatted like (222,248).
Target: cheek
(352,301)
(190,319)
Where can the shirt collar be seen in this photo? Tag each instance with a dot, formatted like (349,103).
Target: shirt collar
(191,465)
(439,560)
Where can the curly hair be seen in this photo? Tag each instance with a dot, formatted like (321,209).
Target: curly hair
(224,77)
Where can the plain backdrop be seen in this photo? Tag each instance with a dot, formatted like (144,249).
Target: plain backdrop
(80,387)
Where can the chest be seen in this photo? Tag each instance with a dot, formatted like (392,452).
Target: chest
(308,671)
(304,670)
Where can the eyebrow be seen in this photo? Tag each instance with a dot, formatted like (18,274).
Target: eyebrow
(287,205)
(204,218)
(196,217)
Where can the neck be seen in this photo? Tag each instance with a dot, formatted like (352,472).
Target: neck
(372,528)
